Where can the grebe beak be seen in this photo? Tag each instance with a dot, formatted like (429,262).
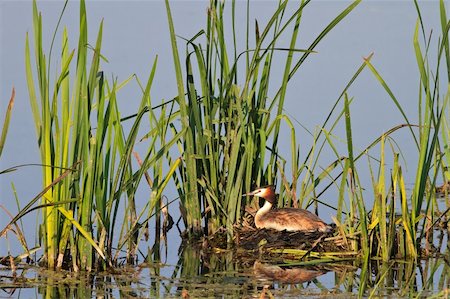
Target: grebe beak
(251,193)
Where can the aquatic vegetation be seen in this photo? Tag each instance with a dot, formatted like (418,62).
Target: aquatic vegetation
(225,113)
(202,273)
(218,139)
(88,175)
(232,121)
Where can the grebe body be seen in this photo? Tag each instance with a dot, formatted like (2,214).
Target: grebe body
(289,219)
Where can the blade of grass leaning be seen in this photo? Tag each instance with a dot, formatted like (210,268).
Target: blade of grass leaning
(392,96)
(151,204)
(364,151)
(28,206)
(317,40)
(7,120)
(445,28)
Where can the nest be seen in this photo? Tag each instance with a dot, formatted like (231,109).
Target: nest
(250,238)
(248,241)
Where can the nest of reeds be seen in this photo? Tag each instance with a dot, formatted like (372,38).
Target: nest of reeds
(248,238)
(251,238)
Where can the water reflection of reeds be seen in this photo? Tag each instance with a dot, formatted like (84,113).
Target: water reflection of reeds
(200,273)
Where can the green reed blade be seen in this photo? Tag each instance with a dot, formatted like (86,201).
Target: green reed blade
(392,96)
(359,200)
(381,200)
(7,120)
(191,193)
(349,133)
(445,29)
(287,69)
(31,90)
(407,221)
(27,207)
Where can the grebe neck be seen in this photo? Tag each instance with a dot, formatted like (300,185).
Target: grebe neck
(261,212)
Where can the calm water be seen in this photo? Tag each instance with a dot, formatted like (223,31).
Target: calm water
(134,33)
(221,275)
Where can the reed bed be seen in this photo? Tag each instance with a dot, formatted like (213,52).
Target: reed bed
(88,174)
(235,127)
(232,123)
(226,125)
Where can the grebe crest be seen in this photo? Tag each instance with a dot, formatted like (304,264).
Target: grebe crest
(289,219)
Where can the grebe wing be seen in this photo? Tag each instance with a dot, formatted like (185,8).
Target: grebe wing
(295,213)
(293,219)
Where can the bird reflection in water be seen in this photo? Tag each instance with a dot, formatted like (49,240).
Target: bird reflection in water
(293,275)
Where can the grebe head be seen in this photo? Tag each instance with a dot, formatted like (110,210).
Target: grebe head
(267,192)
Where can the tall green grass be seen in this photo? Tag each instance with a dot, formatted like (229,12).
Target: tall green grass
(78,127)
(399,224)
(419,211)
(232,123)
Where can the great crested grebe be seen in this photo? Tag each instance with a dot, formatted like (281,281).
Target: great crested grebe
(289,219)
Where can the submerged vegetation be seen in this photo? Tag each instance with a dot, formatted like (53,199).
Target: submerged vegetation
(225,122)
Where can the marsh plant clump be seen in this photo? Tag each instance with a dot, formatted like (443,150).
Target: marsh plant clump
(218,138)
(86,153)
